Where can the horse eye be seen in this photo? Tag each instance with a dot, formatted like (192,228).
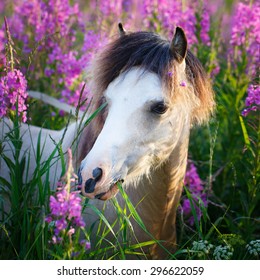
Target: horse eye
(159,108)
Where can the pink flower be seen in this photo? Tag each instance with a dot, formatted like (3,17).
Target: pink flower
(60,225)
(86,244)
(13,89)
(170,14)
(65,206)
(253,100)
(205,27)
(194,184)
(183,84)
(71,231)
(245,34)
(40,22)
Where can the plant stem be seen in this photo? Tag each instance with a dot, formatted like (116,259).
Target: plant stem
(9,45)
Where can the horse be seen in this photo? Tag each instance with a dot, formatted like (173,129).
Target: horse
(155,91)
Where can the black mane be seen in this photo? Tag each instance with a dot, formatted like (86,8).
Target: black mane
(151,52)
(145,49)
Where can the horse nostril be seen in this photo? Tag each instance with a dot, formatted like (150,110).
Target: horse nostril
(97,173)
(91,182)
(90,185)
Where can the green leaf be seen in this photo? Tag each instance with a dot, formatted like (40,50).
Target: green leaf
(245,135)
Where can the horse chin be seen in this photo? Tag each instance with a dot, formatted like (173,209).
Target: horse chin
(113,190)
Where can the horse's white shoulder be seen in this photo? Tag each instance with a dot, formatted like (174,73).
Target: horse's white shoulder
(35,141)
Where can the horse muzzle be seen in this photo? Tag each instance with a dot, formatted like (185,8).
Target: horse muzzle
(95,187)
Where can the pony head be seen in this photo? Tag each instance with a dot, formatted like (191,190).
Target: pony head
(155,91)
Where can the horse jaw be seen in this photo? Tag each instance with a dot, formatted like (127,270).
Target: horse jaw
(133,140)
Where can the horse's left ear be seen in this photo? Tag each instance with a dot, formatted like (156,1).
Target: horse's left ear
(179,45)
(121,29)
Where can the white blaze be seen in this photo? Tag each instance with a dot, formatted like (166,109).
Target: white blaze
(133,137)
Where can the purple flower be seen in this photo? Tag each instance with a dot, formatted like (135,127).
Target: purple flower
(253,95)
(65,218)
(65,206)
(205,27)
(108,8)
(13,89)
(192,179)
(52,25)
(92,43)
(183,84)
(2,44)
(60,225)
(245,34)
(44,17)
(194,184)
(86,244)
(253,100)
(168,14)
(2,6)
(65,209)
(246,19)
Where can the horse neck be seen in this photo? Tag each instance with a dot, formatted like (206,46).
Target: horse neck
(158,197)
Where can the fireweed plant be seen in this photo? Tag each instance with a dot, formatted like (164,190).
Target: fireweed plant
(65,219)
(48,46)
(196,198)
(13,84)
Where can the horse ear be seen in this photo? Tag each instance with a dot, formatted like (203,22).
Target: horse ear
(121,29)
(179,45)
